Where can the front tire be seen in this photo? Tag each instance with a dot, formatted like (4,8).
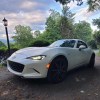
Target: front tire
(92,61)
(58,69)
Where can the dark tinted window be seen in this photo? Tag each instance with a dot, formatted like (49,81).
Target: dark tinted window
(81,43)
(69,43)
(63,43)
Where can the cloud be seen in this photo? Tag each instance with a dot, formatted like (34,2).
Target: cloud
(31,13)
(10,5)
(3,36)
(83,14)
(28,4)
(35,20)
(24,5)
(72,4)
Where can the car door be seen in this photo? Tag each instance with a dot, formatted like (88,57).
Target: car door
(83,53)
(74,58)
(71,53)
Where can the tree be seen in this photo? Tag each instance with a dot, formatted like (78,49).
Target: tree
(93,4)
(37,33)
(2,44)
(66,23)
(83,31)
(40,43)
(92,43)
(58,26)
(63,2)
(23,36)
(97,36)
(97,22)
(52,30)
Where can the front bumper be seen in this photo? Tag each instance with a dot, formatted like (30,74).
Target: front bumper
(28,68)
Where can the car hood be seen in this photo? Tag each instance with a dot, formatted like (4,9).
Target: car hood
(32,51)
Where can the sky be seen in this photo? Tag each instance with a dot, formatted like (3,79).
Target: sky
(34,13)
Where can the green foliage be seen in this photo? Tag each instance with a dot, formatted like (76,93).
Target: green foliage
(97,36)
(63,2)
(40,43)
(23,36)
(14,46)
(2,44)
(83,31)
(92,44)
(58,25)
(37,33)
(99,53)
(66,23)
(50,37)
(93,5)
(97,22)
(3,51)
(52,32)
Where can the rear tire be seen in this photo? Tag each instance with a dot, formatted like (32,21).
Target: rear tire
(58,69)
(92,61)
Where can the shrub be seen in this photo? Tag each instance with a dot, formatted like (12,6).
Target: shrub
(40,43)
(92,44)
(3,51)
(2,44)
(12,50)
(4,55)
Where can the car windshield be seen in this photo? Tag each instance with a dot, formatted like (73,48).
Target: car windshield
(63,43)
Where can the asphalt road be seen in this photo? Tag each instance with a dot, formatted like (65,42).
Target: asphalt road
(80,84)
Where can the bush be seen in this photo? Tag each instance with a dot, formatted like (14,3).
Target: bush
(4,54)
(2,44)
(40,43)
(3,51)
(92,44)
(12,50)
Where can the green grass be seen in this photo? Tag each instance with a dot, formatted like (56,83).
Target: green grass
(98,53)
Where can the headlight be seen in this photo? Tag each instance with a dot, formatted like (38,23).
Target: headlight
(37,57)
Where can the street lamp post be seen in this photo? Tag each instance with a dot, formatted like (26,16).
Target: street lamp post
(6,24)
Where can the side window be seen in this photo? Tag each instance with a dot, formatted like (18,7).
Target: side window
(81,43)
(70,43)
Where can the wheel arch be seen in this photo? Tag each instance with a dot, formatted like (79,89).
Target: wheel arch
(93,54)
(60,55)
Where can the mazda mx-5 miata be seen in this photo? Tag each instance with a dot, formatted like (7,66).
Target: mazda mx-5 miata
(51,62)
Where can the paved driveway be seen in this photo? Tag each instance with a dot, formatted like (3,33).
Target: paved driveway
(80,84)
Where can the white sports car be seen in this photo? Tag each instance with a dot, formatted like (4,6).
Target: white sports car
(53,61)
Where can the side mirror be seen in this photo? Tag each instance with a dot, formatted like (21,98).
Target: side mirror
(81,47)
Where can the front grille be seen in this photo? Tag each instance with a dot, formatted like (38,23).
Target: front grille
(16,66)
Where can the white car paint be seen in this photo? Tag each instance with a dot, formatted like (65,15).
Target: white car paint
(37,68)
